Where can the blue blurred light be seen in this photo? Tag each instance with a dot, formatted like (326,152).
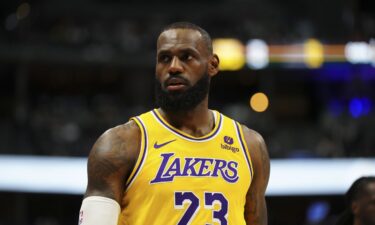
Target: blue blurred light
(344,72)
(317,212)
(366,72)
(334,72)
(356,107)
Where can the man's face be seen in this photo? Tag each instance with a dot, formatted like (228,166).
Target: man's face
(365,209)
(182,79)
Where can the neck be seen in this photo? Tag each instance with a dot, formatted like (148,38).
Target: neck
(196,122)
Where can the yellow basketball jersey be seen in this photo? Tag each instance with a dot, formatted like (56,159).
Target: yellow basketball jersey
(179,179)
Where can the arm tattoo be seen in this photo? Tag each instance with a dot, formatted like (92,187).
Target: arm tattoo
(100,169)
(108,164)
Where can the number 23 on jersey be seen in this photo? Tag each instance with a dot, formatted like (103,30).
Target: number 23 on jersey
(191,203)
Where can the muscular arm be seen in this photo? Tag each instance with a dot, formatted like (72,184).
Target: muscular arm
(111,161)
(255,208)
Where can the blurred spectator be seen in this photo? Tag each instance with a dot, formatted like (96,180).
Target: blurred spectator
(360,209)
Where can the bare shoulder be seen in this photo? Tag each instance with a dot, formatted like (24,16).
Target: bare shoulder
(258,153)
(255,143)
(255,207)
(111,160)
(118,140)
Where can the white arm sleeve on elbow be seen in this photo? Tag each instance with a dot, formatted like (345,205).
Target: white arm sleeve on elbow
(96,210)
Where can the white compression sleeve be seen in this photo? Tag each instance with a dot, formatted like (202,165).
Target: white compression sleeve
(96,210)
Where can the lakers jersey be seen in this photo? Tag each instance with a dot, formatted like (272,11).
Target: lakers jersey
(179,179)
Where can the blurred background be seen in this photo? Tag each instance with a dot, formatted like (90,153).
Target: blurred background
(301,73)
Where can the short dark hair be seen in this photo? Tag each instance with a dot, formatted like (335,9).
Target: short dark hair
(187,25)
(355,191)
(357,188)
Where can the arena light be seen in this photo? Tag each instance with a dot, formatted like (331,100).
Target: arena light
(358,52)
(286,54)
(314,53)
(317,176)
(334,53)
(259,102)
(355,107)
(230,52)
(257,54)
(67,175)
(359,107)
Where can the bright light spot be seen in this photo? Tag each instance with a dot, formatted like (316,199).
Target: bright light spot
(314,53)
(257,54)
(11,22)
(356,107)
(358,52)
(259,102)
(230,52)
(23,10)
(317,211)
(359,107)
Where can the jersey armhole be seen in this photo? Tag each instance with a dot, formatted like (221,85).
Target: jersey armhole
(142,152)
(244,147)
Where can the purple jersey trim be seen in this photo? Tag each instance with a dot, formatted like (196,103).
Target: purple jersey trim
(144,151)
(243,148)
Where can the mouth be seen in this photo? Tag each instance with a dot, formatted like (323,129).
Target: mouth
(176,84)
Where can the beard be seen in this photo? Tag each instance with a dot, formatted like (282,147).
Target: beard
(188,99)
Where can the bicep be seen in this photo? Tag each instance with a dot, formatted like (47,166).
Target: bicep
(255,208)
(109,164)
(102,179)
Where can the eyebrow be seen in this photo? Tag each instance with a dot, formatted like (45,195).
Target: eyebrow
(188,49)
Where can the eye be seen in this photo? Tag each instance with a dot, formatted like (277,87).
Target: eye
(164,58)
(186,57)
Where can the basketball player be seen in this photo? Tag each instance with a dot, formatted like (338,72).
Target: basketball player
(181,163)
(360,203)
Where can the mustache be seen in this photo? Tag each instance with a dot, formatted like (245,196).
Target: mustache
(178,76)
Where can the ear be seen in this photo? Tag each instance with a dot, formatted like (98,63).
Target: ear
(355,208)
(213,65)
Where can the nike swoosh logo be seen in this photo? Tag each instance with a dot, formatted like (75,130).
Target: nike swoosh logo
(162,144)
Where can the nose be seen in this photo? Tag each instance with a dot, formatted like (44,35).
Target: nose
(175,67)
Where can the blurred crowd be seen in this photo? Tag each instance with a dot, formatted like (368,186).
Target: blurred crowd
(67,122)
(70,71)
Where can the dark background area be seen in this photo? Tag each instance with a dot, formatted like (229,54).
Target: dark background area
(69,70)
